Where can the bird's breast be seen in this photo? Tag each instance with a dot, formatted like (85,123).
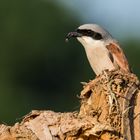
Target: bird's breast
(99,59)
(97,54)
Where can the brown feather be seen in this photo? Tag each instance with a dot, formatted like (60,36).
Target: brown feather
(118,56)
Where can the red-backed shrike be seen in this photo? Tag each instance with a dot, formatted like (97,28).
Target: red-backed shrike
(103,51)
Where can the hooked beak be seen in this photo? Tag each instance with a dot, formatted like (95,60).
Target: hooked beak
(72,34)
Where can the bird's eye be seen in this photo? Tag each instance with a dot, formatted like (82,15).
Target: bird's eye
(97,36)
(90,33)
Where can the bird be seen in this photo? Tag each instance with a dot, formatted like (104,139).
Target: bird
(102,50)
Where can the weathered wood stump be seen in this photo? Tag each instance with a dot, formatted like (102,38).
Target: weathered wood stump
(110,110)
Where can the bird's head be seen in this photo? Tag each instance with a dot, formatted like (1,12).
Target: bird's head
(90,34)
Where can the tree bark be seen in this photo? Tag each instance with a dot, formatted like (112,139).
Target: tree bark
(110,110)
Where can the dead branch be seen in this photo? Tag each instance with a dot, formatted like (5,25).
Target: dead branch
(110,110)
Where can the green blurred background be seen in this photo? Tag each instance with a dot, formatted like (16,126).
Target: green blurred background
(38,70)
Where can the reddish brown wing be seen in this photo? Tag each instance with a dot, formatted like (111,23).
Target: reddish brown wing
(118,56)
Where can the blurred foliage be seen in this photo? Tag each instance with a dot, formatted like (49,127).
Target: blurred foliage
(132,49)
(38,70)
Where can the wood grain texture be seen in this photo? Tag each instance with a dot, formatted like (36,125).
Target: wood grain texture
(110,110)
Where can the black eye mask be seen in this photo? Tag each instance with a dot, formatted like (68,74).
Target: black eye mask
(94,35)
(84,32)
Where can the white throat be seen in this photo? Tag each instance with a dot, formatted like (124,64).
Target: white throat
(97,54)
(90,42)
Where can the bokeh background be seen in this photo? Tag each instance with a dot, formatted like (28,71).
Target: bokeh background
(38,70)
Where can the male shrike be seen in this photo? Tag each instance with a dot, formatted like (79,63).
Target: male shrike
(102,50)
